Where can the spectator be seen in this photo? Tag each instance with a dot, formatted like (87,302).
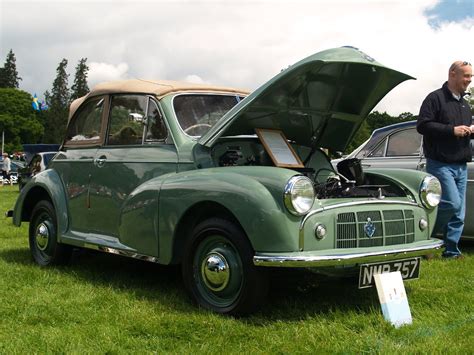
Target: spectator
(6,167)
(445,123)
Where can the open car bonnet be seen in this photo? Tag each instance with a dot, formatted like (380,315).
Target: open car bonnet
(321,100)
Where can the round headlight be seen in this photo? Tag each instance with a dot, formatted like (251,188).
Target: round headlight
(430,192)
(299,195)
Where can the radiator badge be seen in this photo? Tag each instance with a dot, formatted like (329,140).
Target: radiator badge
(369,228)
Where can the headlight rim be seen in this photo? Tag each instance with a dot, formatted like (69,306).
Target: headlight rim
(287,195)
(424,192)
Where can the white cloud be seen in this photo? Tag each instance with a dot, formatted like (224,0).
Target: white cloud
(240,44)
(192,78)
(99,72)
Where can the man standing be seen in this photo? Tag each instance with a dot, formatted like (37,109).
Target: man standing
(445,123)
(6,167)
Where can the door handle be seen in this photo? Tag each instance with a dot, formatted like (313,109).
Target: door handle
(99,162)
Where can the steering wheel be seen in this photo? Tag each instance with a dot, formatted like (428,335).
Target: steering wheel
(197,125)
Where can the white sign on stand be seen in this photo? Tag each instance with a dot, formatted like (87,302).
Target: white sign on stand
(393,298)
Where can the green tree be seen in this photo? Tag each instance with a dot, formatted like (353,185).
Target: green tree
(8,75)
(55,118)
(80,87)
(2,78)
(360,137)
(18,119)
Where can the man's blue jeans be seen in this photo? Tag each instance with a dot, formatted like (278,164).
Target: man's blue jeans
(452,208)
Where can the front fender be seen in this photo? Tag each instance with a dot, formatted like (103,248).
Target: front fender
(411,180)
(256,202)
(45,185)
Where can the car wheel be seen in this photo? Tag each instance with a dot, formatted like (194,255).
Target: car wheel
(218,269)
(44,245)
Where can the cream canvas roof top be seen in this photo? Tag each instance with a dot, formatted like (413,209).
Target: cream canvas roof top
(158,88)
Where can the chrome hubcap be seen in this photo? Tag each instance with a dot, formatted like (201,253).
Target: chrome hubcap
(42,236)
(215,271)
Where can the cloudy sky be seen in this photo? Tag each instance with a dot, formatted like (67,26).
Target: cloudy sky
(237,43)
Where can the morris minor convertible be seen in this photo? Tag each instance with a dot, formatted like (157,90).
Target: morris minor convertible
(230,184)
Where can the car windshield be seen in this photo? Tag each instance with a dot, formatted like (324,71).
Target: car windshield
(359,151)
(197,113)
(47,157)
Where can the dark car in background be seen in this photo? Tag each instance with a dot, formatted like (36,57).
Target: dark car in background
(401,146)
(37,157)
(37,164)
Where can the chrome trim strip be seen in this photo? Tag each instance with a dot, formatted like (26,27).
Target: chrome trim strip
(393,157)
(128,254)
(302,261)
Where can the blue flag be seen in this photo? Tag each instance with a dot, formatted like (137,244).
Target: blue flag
(38,105)
(35,104)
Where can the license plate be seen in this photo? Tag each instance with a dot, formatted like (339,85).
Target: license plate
(409,268)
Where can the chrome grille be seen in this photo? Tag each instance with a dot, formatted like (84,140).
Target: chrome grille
(391,227)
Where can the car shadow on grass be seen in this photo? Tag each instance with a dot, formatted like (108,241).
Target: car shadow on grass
(293,295)
(19,256)
(296,294)
(143,280)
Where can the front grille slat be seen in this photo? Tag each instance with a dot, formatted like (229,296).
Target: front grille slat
(391,227)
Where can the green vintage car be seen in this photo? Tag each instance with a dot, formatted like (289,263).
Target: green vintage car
(230,184)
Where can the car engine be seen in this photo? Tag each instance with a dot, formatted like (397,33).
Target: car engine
(348,181)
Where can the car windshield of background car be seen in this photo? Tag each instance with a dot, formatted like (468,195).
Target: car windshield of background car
(360,151)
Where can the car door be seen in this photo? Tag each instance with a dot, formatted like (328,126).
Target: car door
(400,149)
(137,149)
(74,162)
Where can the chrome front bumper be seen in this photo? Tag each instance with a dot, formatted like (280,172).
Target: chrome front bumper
(349,258)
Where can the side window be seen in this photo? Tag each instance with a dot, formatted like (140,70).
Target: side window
(36,165)
(86,124)
(404,143)
(127,119)
(379,151)
(156,129)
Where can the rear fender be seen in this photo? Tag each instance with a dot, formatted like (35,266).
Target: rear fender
(46,185)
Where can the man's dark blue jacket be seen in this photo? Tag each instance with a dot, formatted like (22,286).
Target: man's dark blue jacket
(439,113)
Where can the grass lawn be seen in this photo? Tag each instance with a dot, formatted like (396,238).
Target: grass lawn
(104,303)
